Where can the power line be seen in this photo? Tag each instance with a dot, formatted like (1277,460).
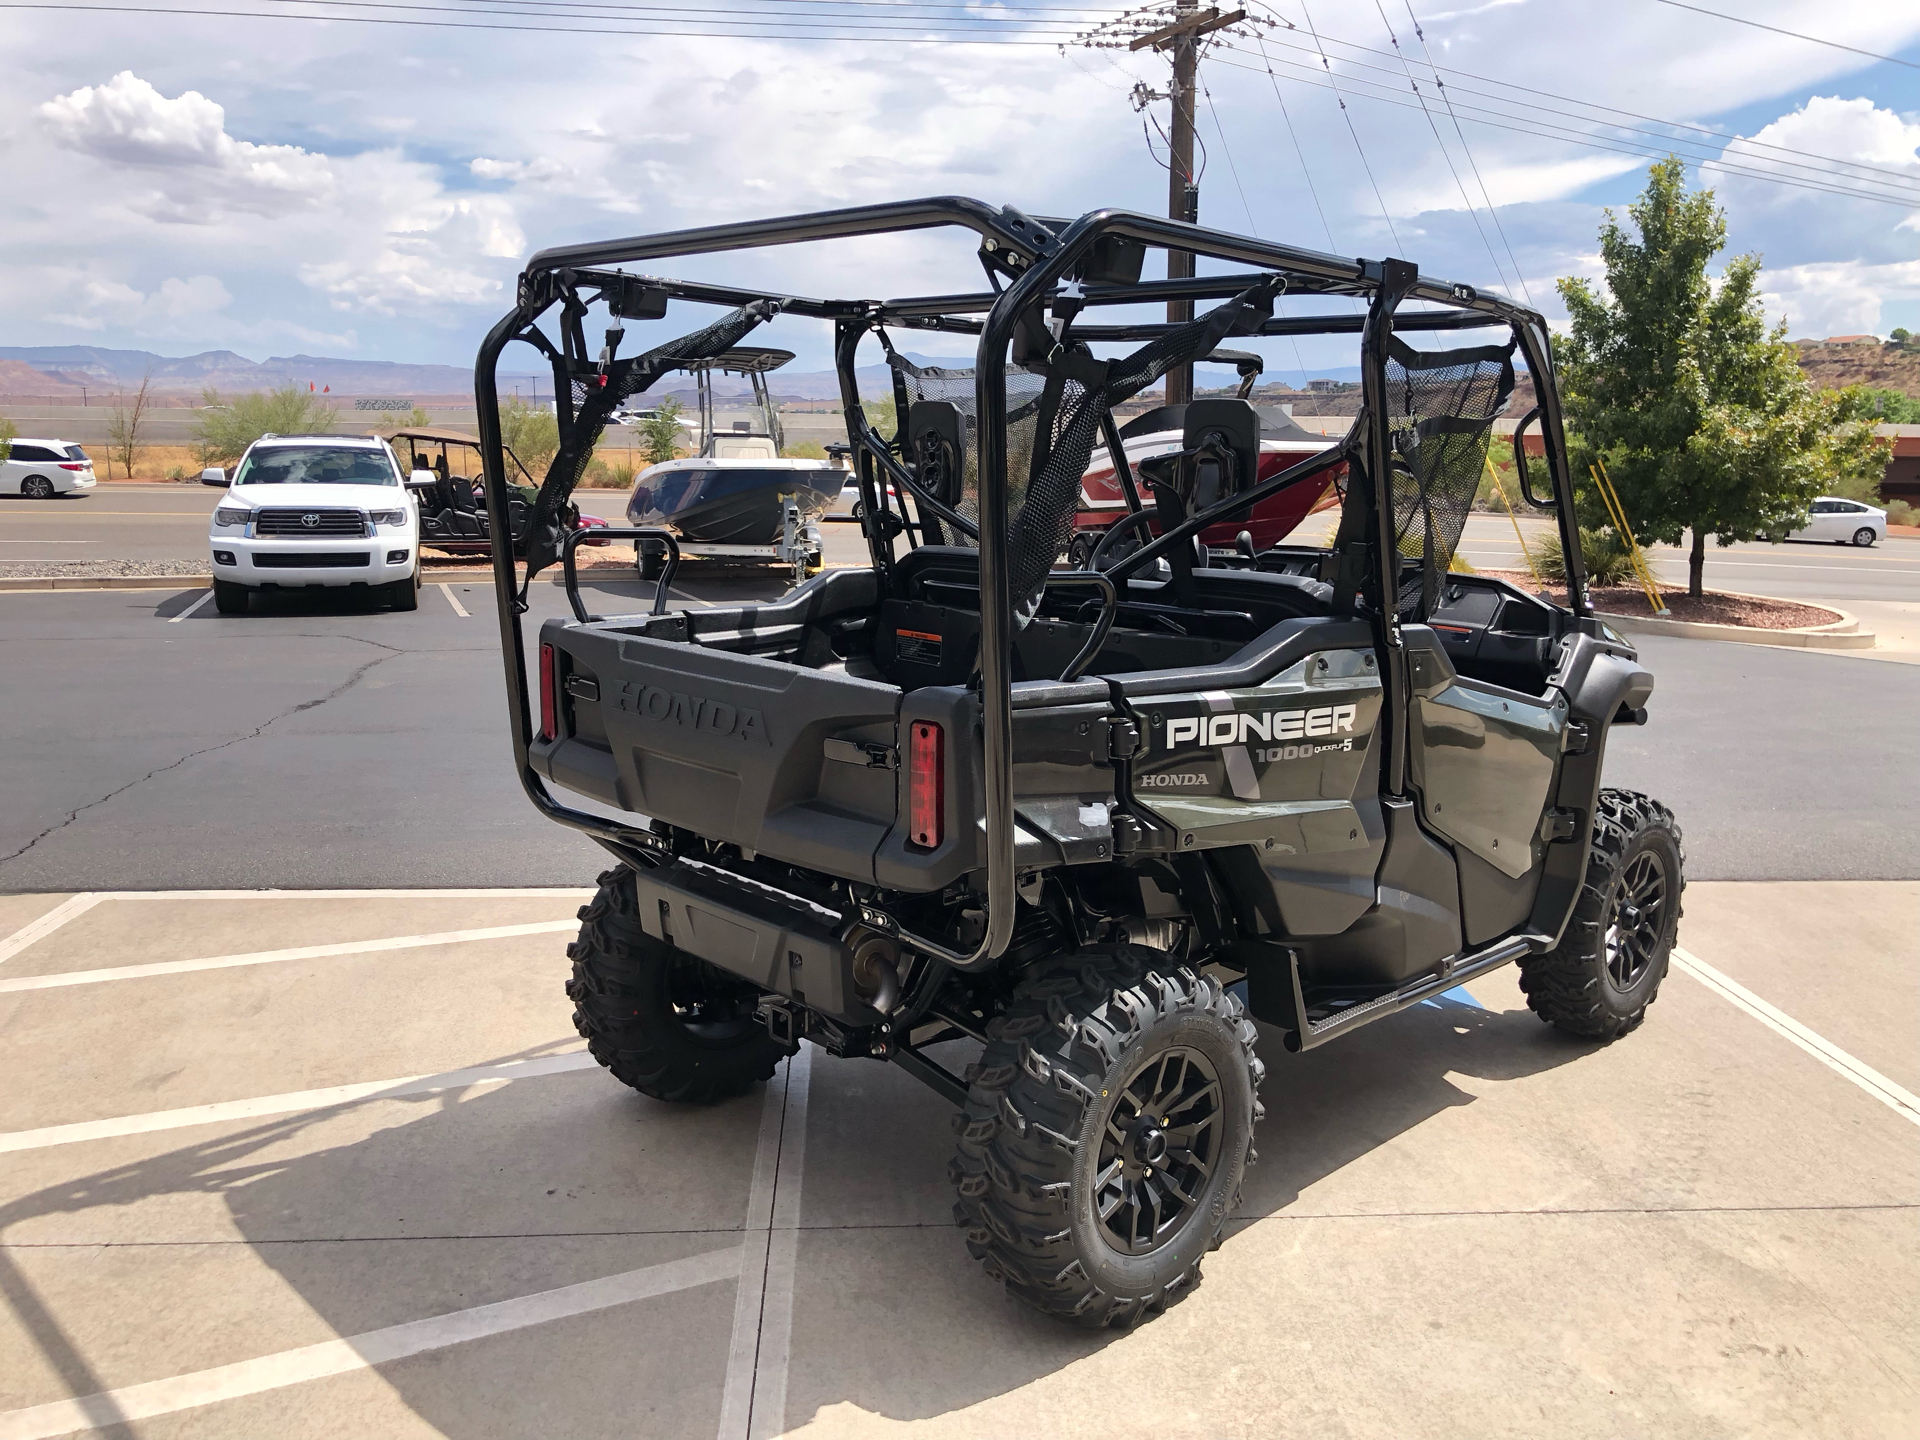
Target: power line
(1485,194)
(1792,34)
(1508,87)
(1252,228)
(1347,115)
(1444,154)
(1578,138)
(547,29)
(1297,150)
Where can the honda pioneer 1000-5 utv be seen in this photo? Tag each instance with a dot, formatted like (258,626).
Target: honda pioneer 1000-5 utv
(1058,815)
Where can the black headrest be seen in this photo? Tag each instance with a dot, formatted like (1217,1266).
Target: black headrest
(936,441)
(1230,424)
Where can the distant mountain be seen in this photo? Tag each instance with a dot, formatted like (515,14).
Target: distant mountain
(50,369)
(225,370)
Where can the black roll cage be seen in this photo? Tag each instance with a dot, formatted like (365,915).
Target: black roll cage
(1033,256)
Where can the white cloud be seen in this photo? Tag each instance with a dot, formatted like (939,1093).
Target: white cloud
(182,142)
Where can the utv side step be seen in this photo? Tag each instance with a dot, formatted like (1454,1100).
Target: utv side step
(1306,1034)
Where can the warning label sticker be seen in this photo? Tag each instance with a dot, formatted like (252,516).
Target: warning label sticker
(921,646)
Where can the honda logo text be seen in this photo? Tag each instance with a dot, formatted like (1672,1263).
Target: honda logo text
(696,712)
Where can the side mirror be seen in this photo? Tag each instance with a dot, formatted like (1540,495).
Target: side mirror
(213,475)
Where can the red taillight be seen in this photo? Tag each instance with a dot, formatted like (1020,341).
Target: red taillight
(86,466)
(549,695)
(926,785)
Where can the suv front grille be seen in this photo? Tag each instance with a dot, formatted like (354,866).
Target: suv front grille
(308,560)
(315,522)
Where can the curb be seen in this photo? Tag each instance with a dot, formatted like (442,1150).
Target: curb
(1842,634)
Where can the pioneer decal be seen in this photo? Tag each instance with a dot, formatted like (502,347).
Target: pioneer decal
(695,712)
(1240,728)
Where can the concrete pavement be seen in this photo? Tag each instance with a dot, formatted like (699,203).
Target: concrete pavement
(1461,1223)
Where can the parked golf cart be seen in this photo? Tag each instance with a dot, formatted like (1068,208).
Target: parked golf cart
(443,472)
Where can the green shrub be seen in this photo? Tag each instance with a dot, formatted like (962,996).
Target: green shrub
(660,432)
(806,450)
(224,429)
(1899,512)
(530,431)
(1603,554)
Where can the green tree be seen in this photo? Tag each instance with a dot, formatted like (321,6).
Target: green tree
(660,431)
(223,430)
(1703,415)
(415,419)
(9,432)
(125,424)
(1880,407)
(530,431)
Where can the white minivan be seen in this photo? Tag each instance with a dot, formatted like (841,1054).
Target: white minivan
(42,469)
(307,510)
(1844,522)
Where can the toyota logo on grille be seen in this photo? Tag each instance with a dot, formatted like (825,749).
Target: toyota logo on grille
(310,520)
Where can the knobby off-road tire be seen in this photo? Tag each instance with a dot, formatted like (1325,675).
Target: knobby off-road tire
(1066,1194)
(1606,970)
(660,1020)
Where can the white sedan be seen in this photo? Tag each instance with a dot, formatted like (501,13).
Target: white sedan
(315,510)
(1844,522)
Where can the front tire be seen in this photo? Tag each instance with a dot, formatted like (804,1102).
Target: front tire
(1107,1125)
(405,594)
(660,1020)
(230,598)
(1599,980)
(1863,537)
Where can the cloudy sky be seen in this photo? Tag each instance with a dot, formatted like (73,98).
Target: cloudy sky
(269,185)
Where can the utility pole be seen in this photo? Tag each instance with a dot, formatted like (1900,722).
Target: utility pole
(1174,30)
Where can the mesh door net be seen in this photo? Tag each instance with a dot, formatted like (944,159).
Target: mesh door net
(1441,405)
(1053,420)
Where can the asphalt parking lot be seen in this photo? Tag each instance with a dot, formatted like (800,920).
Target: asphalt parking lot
(335,1164)
(333,1161)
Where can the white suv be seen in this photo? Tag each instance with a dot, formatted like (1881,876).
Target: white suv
(307,510)
(42,469)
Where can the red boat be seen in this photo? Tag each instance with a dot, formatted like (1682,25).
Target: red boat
(1159,432)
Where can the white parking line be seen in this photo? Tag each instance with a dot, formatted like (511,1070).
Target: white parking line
(38,930)
(176,619)
(272,957)
(1903,1102)
(229,1110)
(556,892)
(363,1351)
(454,600)
(753,1403)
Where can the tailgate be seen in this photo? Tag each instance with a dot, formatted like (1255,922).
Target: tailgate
(730,747)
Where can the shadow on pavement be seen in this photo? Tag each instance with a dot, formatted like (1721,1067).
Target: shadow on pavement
(890,1315)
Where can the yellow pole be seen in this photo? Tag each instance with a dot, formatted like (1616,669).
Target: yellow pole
(1501,491)
(1618,513)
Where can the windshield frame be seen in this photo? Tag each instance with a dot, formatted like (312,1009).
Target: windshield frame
(244,474)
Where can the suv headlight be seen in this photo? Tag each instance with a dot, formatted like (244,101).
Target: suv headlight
(231,517)
(388,517)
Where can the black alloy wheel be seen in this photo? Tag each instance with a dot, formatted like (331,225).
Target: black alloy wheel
(1636,923)
(1160,1142)
(1599,980)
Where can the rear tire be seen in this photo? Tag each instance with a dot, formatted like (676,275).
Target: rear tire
(1605,972)
(650,562)
(230,598)
(37,487)
(660,1020)
(1863,537)
(1073,1191)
